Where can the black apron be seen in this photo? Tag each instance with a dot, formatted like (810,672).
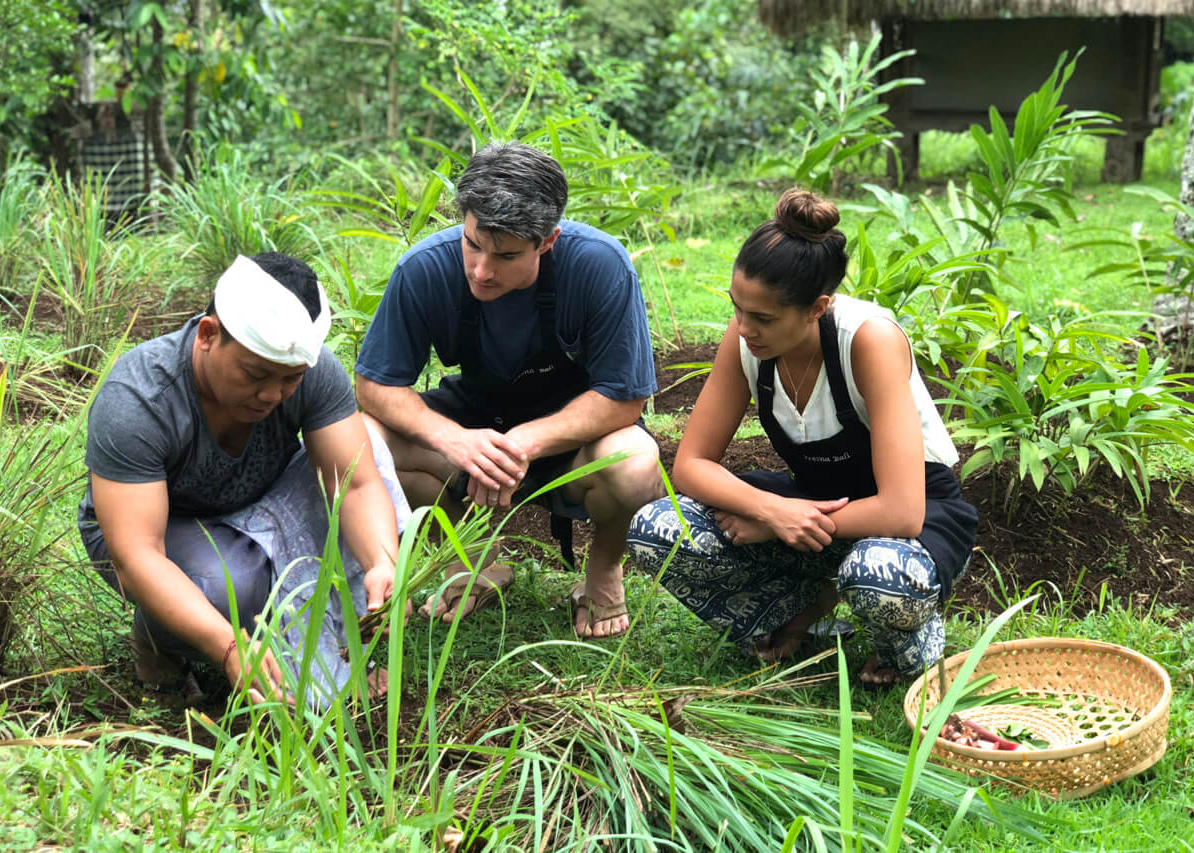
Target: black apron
(840,466)
(544,384)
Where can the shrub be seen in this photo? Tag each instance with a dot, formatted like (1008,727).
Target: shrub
(1049,404)
(227,211)
(87,266)
(1024,176)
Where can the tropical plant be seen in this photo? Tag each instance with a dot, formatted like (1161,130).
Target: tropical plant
(917,289)
(387,205)
(1024,178)
(1164,264)
(846,117)
(36,383)
(353,305)
(38,472)
(35,58)
(714,86)
(1050,404)
(604,165)
(228,211)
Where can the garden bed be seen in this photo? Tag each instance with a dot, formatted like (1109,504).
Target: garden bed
(1068,547)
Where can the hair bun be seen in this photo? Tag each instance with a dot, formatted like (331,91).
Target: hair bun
(800,213)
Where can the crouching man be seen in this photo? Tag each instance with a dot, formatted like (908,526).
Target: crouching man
(547,322)
(199,481)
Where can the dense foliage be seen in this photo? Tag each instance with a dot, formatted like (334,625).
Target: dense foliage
(334,130)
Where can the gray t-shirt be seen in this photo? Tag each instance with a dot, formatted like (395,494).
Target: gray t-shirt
(146,425)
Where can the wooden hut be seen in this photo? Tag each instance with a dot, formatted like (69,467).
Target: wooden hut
(974,54)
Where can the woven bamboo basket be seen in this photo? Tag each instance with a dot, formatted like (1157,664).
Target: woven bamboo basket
(1110,722)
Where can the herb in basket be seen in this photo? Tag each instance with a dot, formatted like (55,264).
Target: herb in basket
(1018,734)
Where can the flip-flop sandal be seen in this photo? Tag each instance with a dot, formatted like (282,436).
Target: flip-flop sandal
(595,612)
(828,629)
(485,591)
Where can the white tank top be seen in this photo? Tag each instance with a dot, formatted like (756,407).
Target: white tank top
(819,419)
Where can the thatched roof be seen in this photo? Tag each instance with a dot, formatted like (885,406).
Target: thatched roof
(790,17)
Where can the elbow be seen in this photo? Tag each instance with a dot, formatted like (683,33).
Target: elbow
(681,475)
(908,522)
(366,393)
(632,410)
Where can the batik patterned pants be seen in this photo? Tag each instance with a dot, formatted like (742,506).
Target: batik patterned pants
(749,591)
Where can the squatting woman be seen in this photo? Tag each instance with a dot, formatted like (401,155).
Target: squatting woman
(868,509)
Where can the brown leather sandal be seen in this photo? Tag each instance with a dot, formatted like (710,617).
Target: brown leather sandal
(595,612)
(485,591)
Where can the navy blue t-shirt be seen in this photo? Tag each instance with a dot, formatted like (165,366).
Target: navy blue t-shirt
(601,320)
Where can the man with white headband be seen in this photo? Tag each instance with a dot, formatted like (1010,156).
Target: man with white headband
(547,322)
(199,481)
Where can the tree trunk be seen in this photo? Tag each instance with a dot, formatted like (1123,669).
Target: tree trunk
(155,114)
(86,54)
(392,74)
(190,96)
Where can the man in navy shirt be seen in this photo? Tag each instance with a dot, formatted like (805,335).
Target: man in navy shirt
(547,322)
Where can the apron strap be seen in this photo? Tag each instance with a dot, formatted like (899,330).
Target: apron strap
(471,359)
(832,356)
(545,298)
(561,531)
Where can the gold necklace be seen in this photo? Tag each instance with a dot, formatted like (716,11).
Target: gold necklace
(795,386)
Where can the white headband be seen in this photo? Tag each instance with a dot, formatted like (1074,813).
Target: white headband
(266,318)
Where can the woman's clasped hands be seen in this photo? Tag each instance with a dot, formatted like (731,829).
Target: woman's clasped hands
(800,524)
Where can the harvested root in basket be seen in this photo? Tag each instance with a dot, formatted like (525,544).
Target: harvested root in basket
(970,733)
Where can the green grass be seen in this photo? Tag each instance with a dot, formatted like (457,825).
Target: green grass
(139,787)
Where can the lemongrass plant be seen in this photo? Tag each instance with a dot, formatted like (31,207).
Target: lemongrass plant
(39,470)
(228,211)
(615,759)
(84,265)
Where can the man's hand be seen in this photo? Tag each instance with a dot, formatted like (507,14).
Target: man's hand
(379,586)
(803,525)
(267,682)
(494,462)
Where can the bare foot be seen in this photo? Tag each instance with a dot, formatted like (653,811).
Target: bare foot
(494,577)
(603,594)
(786,640)
(872,675)
(379,683)
(781,643)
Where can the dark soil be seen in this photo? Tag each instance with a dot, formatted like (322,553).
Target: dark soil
(1067,548)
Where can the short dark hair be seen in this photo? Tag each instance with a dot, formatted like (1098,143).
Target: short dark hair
(292,274)
(514,189)
(800,253)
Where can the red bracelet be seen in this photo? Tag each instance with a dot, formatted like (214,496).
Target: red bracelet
(228,651)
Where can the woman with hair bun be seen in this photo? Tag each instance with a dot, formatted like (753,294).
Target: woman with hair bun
(869,510)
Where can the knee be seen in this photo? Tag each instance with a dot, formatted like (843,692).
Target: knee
(889,581)
(642,480)
(853,571)
(636,480)
(896,564)
(653,531)
(655,522)
(240,568)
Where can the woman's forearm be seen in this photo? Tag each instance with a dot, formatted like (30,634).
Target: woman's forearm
(879,516)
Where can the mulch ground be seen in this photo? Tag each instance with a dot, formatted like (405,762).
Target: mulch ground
(1067,548)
